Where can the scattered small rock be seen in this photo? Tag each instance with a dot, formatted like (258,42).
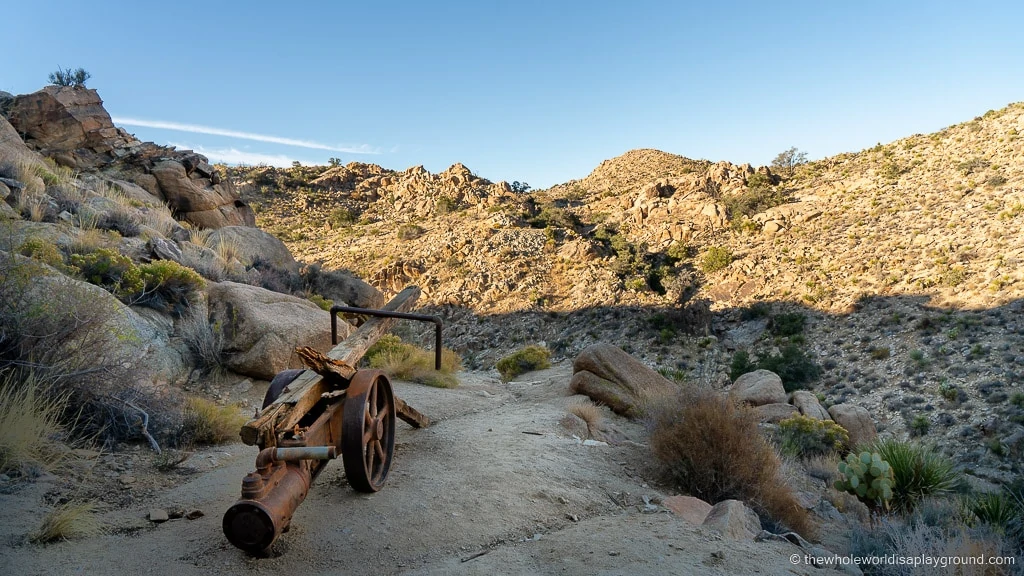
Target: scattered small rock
(158,515)
(194,514)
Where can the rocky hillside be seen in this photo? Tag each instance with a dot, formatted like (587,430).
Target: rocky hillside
(905,260)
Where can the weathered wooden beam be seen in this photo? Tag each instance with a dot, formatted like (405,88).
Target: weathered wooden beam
(335,372)
(410,415)
(303,393)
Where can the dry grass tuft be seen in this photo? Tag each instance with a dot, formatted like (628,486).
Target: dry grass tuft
(30,426)
(70,521)
(713,449)
(412,363)
(208,423)
(589,413)
(229,249)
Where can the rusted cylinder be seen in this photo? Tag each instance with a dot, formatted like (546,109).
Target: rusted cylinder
(253,525)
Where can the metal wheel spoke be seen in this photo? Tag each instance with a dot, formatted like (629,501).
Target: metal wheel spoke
(370,453)
(373,401)
(380,450)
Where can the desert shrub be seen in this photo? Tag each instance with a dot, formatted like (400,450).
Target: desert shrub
(324,303)
(204,341)
(409,362)
(410,232)
(740,364)
(716,258)
(918,471)
(524,360)
(61,333)
(920,425)
(1000,510)
(805,436)
(30,425)
(68,522)
(120,221)
(788,324)
(893,536)
(712,449)
(880,352)
(207,423)
(44,251)
(69,77)
(445,205)
(755,311)
(275,279)
(755,199)
(553,216)
(794,366)
(341,217)
(169,286)
(868,477)
(111,271)
(589,413)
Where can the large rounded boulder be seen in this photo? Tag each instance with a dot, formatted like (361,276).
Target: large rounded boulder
(262,328)
(612,377)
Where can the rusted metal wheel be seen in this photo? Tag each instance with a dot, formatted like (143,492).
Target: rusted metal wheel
(278,384)
(368,430)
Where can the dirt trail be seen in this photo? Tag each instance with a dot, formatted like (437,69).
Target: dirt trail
(479,492)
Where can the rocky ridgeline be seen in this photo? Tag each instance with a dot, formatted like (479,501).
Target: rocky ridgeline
(906,258)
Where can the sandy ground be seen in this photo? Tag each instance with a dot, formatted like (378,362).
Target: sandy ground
(479,492)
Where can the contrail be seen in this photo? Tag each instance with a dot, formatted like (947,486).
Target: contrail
(235,156)
(196,129)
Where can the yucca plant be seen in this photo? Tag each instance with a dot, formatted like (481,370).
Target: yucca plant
(918,471)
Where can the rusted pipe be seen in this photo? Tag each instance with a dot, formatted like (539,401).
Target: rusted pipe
(254,524)
(300,453)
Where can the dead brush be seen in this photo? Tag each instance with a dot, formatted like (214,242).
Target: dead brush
(712,449)
(207,423)
(589,413)
(68,522)
(414,364)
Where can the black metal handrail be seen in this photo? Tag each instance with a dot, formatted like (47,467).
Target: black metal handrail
(388,314)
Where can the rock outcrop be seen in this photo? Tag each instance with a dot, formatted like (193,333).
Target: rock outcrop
(70,125)
(608,375)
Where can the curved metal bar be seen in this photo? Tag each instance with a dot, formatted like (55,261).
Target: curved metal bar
(438,324)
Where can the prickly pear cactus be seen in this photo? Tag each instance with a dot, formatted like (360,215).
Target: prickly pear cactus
(868,477)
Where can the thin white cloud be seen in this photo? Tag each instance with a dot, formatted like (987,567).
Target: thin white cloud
(235,156)
(197,129)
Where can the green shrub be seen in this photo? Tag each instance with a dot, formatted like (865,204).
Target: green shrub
(523,361)
(341,217)
(169,286)
(740,364)
(409,232)
(918,471)
(324,303)
(794,366)
(788,324)
(806,437)
(43,251)
(867,476)
(919,425)
(111,271)
(950,391)
(754,200)
(207,423)
(879,353)
(1001,510)
(69,77)
(412,363)
(715,259)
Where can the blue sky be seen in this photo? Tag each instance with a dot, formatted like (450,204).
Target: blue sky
(533,91)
